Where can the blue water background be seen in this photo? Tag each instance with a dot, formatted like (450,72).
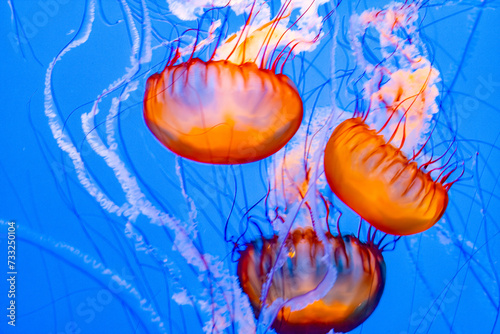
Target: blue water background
(435,284)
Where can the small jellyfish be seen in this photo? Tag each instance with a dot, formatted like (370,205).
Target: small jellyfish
(233,108)
(351,299)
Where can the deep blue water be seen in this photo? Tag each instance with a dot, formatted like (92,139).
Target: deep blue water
(89,256)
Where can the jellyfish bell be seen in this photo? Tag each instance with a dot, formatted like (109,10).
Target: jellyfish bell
(352,298)
(378,182)
(222,113)
(233,108)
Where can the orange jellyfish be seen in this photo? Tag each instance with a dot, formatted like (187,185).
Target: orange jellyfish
(351,300)
(228,111)
(377,181)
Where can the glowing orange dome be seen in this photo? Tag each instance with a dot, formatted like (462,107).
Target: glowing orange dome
(351,300)
(222,113)
(378,182)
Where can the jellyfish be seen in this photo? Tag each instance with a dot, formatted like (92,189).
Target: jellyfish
(356,292)
(223,113)
(233,108)
(380,183)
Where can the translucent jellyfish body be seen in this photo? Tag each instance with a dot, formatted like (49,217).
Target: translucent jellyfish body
(378,182)
(222,113)
(350,301)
